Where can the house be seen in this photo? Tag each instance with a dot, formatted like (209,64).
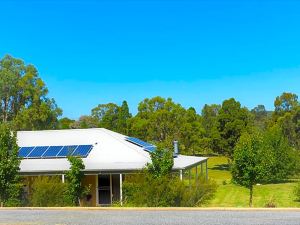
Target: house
(108,157)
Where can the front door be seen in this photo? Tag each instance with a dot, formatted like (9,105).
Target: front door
(104,189)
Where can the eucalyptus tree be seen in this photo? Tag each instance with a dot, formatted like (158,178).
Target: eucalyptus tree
(23,97)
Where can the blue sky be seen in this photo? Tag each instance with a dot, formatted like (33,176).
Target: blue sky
(90,52)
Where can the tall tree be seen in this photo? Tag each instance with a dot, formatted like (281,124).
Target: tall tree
(123,117)
(287,117)
(211,139)
(233,120)
(9,166)
(160,120)
(107,115)
(283,159)
(286,102)
(191,132)
(23,97)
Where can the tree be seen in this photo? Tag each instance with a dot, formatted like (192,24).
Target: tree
(263,158)
(123,116)
(290,125)
(65,123)
(9,167)
(161,163)
(85,122)
(250,163)
(260,116)
(191,132)
(285,103)
(159,120)
(107,115)
(211,138)
(233,120)
(287,117)
(112,117)
(283,159)
(74,176)
(23,97)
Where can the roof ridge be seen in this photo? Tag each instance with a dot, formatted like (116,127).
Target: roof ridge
(127,144)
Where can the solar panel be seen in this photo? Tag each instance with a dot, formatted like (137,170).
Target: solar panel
(150,148)
(37,152)
(52,151)
(147,146)
(24,151)
(55,151)
(82,150)
(67,150)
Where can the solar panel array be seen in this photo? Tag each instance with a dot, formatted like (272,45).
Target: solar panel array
(55,151)
(147,146)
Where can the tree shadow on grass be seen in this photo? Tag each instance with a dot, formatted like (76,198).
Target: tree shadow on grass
(224,167)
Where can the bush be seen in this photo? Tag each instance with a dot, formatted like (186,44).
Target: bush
(15,193)
(145,190)
(271,203)
(49,192)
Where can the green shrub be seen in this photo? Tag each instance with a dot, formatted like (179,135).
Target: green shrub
(49,192)
(145,190)
(271,203)
(197,194)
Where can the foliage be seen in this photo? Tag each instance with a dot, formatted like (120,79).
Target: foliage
(250,163)
(271,203)
(156,186)
(283,160)
(232,121)
(49,192)
(23,97)
(112,116)
(263,158)
(84,122)
(285,103)
(65,123)
(261,117)
(161,163)
(149,191)
(162,121)
(10,188)
(74,177)
(210,141)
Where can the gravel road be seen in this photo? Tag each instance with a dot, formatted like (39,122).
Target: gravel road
(152,217)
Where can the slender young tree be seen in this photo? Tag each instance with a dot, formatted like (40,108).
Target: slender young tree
(9,166)
(250,162)
(74,177)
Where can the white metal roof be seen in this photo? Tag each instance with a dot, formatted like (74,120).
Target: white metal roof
(111,152)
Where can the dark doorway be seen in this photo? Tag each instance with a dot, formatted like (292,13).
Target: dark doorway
(104,189)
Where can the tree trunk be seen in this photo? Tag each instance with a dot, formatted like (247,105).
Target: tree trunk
(251,196)
(1,204)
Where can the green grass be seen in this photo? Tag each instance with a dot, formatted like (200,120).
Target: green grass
(231,195)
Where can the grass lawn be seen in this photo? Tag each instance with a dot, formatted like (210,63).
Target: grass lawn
(231,195)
